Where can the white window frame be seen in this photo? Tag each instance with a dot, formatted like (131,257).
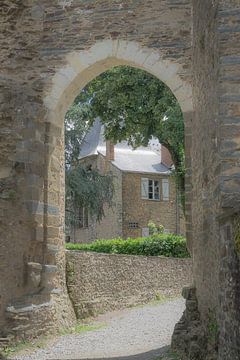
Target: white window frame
(148,189)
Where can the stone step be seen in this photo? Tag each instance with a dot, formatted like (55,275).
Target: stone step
(26,308)
(50,268)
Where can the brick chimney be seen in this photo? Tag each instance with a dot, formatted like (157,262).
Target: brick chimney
(166,157)
(109,150)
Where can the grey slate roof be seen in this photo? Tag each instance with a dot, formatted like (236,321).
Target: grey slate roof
(91,140)
(142,159)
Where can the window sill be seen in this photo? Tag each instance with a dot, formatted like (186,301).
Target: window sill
(158,200)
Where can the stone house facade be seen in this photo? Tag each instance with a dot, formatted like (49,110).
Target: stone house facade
(144,189)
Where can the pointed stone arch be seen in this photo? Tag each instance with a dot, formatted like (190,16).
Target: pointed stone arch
(43,195)
(83,66)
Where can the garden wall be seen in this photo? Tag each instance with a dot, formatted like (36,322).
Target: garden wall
(101,282)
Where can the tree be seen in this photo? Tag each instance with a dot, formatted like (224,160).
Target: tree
(88,189)
(84,187)
(76,124)
(134,106)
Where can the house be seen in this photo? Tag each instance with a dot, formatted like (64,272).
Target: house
(144,189)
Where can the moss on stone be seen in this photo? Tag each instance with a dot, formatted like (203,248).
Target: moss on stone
(236,229)
(212,330)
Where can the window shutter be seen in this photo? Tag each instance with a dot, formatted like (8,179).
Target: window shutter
(165,189)
(144,188)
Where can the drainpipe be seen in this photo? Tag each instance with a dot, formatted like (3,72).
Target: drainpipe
(177,212)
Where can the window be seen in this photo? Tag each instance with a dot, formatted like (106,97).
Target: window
(150,189)
(165,189)
(82,218)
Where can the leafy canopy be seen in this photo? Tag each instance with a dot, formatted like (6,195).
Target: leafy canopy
(76,125)
(89,189)
(134,106)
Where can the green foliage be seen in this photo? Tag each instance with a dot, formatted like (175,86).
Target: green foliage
(76,125)
(18,347)
(43,341)
(85,187)
(80,328)
(213,327)
(70,271)
(160,298)
(170,355)
(89,189)
(155,229)
(168,245)
(236,229)
(134,106)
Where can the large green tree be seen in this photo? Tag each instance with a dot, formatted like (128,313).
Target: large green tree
(134,106)
(76,125)
(85,187)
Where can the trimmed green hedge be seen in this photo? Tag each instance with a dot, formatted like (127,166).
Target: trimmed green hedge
(168,245)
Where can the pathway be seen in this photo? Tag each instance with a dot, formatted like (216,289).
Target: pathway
(141,333)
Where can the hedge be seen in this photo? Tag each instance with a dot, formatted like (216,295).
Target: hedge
(169,245)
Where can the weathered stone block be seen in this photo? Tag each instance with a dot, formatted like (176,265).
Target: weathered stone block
(34,274)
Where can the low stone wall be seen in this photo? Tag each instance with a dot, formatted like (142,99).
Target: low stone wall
(102,282)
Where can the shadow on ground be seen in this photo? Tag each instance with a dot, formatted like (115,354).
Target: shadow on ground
(150,355)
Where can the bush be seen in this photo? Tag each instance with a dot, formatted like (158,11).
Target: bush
(155,229)
(169,245)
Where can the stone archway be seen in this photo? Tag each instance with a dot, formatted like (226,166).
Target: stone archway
(83,66)
(189,41)
(45,286)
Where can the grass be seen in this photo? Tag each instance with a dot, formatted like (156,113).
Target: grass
(24,345)
(170,355)
(32,345)
(159,299)
(82,328)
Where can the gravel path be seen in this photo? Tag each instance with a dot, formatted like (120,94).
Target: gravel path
(141,333)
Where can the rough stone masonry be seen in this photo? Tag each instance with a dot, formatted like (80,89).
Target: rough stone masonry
(98,283)
(49,51)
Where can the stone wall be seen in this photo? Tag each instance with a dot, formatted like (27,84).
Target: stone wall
(215,195)
(102,282)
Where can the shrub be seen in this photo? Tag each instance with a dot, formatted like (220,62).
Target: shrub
(169,245)
(155,229)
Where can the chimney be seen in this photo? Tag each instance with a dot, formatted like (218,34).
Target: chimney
(109,150)
(166,158)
